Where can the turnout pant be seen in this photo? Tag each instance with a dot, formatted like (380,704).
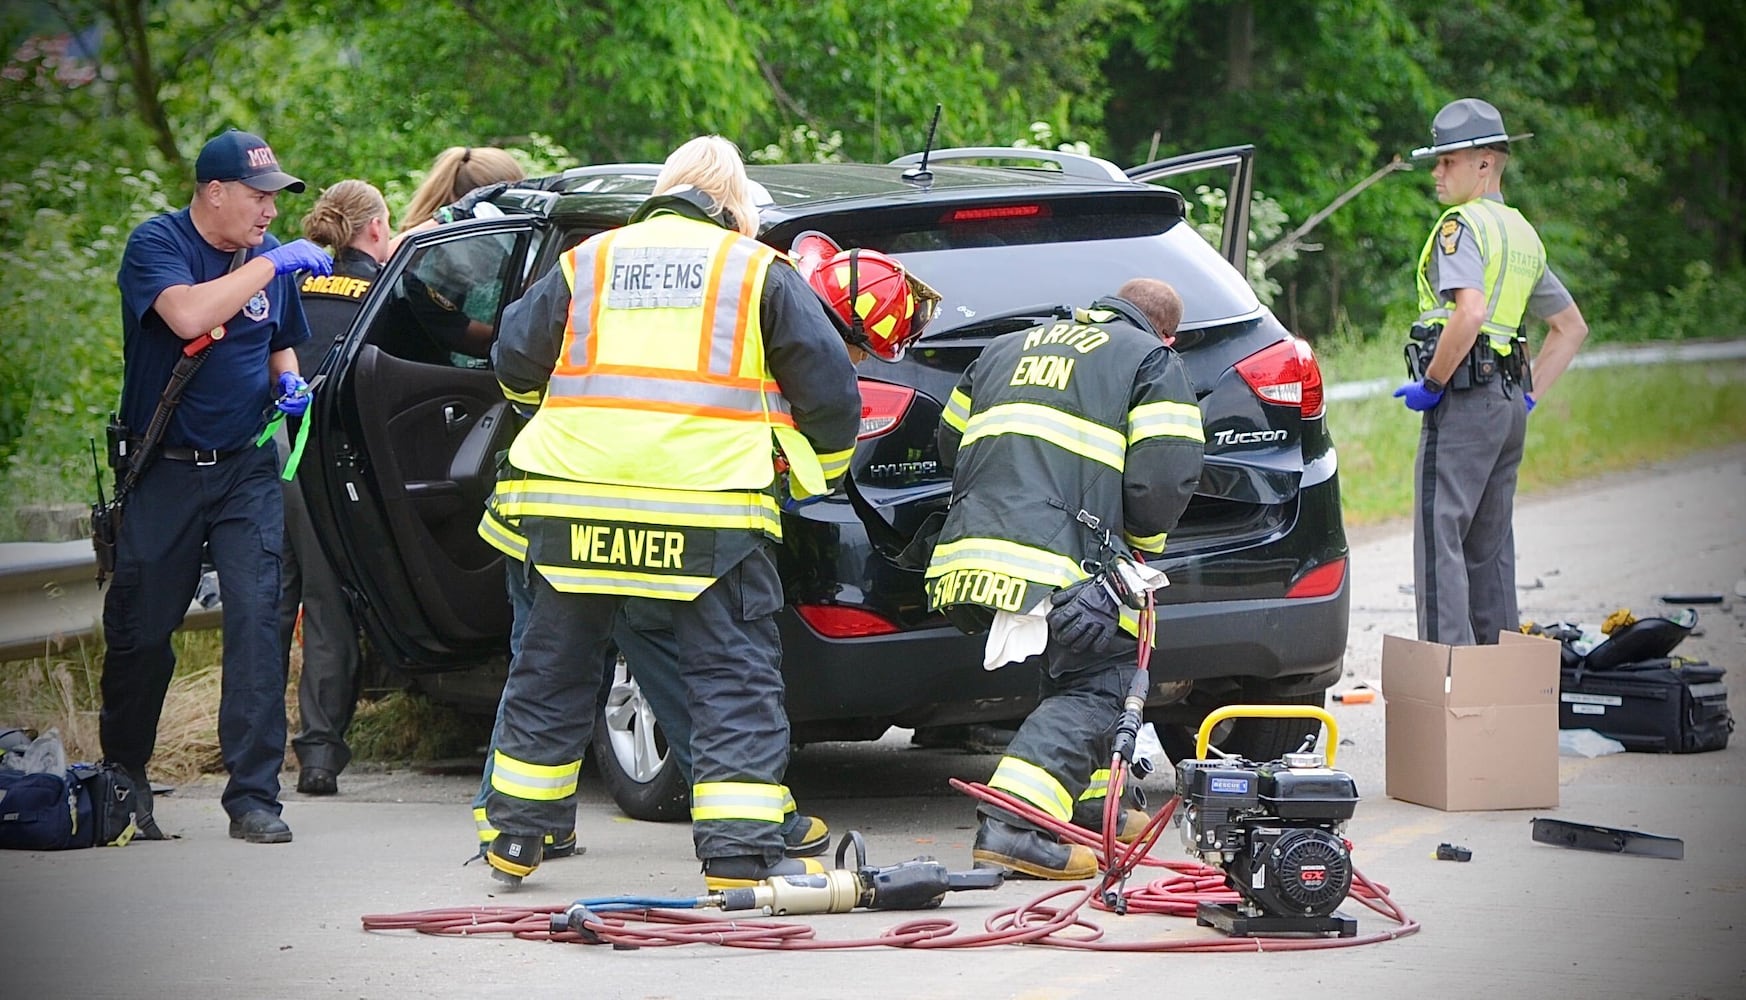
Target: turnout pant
(1066,738)
(730,662)
(232,507)
(327,694)
(1464,491)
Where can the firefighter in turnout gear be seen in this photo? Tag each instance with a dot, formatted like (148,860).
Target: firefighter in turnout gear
(1481,273)
(673,361)
(1069,442)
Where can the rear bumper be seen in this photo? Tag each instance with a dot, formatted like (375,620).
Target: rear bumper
(934,676)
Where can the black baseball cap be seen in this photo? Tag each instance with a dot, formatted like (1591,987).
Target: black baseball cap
(238,156)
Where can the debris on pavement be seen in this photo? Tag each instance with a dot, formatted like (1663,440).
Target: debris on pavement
(1606,839)
(1454,852)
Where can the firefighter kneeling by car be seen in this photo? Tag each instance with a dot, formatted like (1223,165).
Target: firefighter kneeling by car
(668,359)
(1070,444)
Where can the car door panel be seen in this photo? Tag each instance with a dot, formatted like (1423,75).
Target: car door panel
(408,441)
(1239,162)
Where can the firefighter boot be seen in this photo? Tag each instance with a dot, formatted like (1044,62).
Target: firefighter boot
(805,836)
(747,870)
(513,858)
(1130,824)
(1027,853)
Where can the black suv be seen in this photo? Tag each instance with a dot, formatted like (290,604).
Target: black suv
(401,456)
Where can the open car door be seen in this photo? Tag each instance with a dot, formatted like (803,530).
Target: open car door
(1237,166)
(402,454)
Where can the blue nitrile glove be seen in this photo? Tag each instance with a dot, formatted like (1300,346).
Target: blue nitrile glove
(1528,401)
(299,255)
(1417,397)
(293,394)
(463,209)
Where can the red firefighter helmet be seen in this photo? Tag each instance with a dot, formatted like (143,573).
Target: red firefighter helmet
(890,306)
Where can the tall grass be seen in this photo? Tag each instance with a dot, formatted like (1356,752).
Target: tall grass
(1595,421)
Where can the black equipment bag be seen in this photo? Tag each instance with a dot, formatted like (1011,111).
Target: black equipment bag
(1664,705)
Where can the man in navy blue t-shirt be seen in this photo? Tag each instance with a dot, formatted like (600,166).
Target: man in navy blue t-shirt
(208,269)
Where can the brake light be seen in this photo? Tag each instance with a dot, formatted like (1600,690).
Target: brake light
(1322,581)
(996,212)
(1286,373)
(839,621)
(882,406)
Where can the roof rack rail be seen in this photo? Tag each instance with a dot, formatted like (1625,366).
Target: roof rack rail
(1072,164)
(564,181)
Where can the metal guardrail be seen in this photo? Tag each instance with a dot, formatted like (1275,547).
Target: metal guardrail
(49,601)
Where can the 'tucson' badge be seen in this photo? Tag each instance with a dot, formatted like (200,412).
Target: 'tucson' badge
(1449,236)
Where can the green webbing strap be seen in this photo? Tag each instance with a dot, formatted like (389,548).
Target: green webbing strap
(296,455)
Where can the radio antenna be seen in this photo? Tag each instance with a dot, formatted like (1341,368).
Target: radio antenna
(920,174)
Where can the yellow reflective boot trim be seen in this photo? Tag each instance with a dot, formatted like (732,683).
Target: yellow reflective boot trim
(1085,438)
(1027,781)
(536,782)
(1099,787)
(748,800)
(487,832)
(788,803)
(1166,419)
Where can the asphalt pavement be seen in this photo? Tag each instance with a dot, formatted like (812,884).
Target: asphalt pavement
(205,916)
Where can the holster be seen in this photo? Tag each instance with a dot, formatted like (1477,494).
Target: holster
(105,528)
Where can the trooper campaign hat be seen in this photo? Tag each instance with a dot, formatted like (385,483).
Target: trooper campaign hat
(239,156)
(1466,124)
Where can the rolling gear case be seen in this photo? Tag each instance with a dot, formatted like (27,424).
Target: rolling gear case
(1663,705)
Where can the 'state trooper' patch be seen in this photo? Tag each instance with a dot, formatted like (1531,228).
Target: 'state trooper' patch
(657,278)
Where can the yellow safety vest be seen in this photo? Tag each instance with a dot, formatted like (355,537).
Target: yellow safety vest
(661,418)
(661,380)
(1515,259)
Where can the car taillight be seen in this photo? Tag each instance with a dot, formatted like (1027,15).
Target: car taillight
(1322,581)
(1286,373)
(882,406)
(839,621)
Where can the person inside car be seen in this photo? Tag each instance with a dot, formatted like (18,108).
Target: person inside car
(1070,443)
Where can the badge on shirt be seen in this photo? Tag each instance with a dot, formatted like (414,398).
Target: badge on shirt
(1449,236)
(256,309)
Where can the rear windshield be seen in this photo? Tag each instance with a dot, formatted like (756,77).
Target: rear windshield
(984,263)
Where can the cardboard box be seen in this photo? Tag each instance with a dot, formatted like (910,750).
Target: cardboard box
(1472,727)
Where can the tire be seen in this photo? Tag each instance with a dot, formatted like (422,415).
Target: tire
(1260,740)
(631,753)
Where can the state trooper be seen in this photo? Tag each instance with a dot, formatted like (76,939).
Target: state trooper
(1068,442)
(1481,273)
(668,359)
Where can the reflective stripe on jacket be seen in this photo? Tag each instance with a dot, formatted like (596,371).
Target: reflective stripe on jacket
(661,379)
(1514,261)
(1086,420)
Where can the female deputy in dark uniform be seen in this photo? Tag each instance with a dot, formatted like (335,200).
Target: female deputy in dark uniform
(350,218)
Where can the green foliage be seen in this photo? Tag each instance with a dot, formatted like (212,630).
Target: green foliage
(1636,177)
(1267,222)
(1596,420)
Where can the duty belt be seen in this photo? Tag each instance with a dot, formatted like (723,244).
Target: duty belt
(199,456)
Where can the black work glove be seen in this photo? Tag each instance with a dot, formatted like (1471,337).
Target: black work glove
(1085,618)
(463,208)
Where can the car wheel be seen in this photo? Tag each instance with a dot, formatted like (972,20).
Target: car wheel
(1259,740)
(632,754)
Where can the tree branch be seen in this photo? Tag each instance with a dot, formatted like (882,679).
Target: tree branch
(128,16)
